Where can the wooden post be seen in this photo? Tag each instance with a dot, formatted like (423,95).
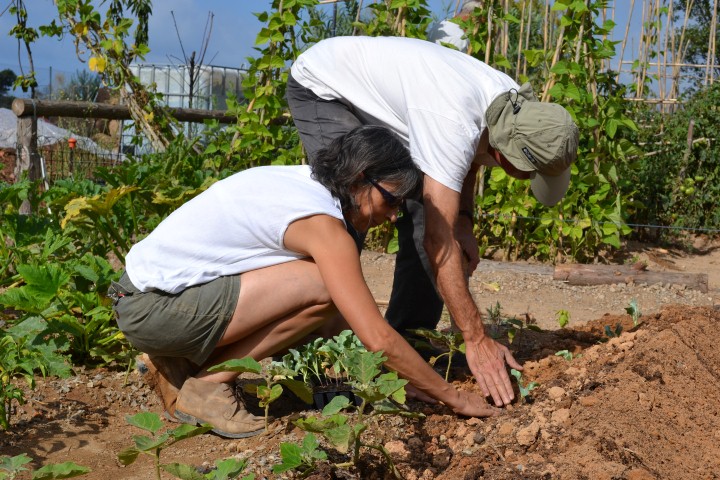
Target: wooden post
(27,158)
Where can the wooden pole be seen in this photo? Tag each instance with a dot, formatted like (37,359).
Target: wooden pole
(624,42)
(576,274)
(27,158)
(23,107)
(709,71)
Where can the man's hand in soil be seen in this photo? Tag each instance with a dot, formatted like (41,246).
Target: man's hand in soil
(487,359)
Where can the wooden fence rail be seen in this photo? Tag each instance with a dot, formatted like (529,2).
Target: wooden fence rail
(28,111)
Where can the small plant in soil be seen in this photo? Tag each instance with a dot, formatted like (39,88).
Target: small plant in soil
(275,376)
(11,467)
(612,333)
(301,458)
(566,354)
(154,444)
(517,325)
(384,391)
(25,348)
(453,342)
(634,311)
(324,365)
(563,318)
(524,389)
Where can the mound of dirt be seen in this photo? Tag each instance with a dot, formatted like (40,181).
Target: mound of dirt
(641,405)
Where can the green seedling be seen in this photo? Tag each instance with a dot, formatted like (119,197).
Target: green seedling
(11,467)
(563,318)
(494,319)
(515,325)
(384,391)
(154,444)
(634,311)
(524,389)
(275,377)
(566,354)
(452,341)
(301,458)
(224,470)
(610,333)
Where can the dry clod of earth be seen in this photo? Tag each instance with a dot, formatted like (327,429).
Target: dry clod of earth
(642,405)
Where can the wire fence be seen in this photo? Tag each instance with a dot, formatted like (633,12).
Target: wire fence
(638,226)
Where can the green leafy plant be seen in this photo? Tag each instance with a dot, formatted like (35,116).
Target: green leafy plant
(154,444)
(566,354)
(26,349)
(634,311)
(611,333)
(452,341)
(302,458)
(384,391)
(524,389)
(275,376)
(563,318)
(223,470)
(11,467)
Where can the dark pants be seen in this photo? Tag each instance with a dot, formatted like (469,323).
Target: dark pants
(414,301)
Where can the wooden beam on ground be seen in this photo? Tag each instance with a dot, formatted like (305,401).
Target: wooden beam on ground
(608,274)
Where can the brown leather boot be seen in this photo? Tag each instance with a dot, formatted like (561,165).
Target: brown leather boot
(166,376)
(215,403)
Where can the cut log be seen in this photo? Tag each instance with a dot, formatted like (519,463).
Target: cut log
(607,274)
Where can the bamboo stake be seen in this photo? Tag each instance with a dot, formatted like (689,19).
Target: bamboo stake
(506,30)
(556,56)
(641,58)
(546,26)
(527,35)
(520,40)
(489,36)
(710,72)
(624,42)
(682,49)
(662,76)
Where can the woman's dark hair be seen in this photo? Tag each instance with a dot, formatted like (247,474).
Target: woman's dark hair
(368,151)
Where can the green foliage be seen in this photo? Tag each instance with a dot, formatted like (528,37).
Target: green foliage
(612,333)
(156,442)
(679,183)
(384,391)
(302,458)
(26,349)
(634,311)
(452,341)
(566,354)
(524,389)
(276,376)
(563,318)
(10,467)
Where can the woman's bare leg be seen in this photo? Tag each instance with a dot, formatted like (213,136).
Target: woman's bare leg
(277,307)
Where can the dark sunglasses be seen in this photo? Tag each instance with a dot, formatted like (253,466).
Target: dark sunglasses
(391,200)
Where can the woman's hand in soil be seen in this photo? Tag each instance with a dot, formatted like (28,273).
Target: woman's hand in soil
(474,405)
(415,394)
(487,359)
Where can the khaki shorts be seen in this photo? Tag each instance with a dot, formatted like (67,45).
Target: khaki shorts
(188,324)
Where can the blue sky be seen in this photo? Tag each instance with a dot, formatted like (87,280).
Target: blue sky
(232,39)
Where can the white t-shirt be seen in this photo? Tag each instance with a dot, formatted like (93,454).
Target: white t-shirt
(235,226)
(434,97)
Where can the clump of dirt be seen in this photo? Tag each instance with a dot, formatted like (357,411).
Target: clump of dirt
(642,405)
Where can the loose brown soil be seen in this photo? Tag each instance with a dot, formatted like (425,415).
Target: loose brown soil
(644,405)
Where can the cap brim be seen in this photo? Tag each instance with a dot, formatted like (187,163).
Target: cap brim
(550,190)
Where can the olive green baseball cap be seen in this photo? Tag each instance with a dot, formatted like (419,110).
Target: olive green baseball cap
(536,137)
